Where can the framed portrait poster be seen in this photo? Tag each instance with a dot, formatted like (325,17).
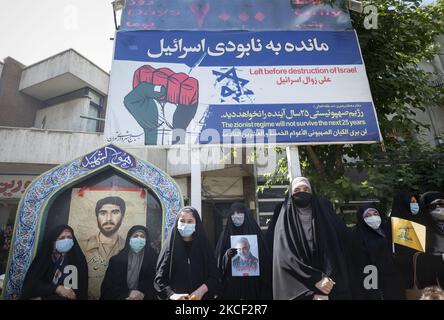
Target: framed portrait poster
(246,262)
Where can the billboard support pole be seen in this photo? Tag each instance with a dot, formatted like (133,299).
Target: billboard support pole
(196,180)
(294,163)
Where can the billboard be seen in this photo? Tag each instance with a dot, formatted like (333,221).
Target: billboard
(208,87)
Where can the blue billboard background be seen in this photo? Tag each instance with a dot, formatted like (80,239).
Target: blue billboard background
(298,123)
(267,48)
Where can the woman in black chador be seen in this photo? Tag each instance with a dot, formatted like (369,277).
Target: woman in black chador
(373,247)
(186,268)
(406,206)
(431,263)
(130,274)
(269,235)
(45,279)
(310,260)
(240,222)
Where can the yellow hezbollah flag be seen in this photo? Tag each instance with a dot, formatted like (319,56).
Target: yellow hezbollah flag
(409,234)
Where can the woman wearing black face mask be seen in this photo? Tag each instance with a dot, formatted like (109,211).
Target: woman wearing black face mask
(241,222)
(430,266)
(310,260)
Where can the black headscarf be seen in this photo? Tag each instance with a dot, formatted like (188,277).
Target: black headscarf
(401,207)
(269,236)
(245,288)
(403,254)
(115,286)
(373,247)
(430,266)
(38,280)
(178,273)
(435,229)
(297,268)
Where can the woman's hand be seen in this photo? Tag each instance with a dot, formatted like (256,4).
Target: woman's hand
(325,285)
(135,295)
(199,292)
(66,293)
(231,252)
(180,296)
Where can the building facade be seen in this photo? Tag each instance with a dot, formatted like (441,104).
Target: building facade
(53,111)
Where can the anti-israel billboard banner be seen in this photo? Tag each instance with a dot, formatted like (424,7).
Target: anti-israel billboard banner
(210,87)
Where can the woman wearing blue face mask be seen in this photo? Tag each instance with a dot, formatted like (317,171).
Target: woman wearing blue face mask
(130,274)
(372,247)
(406,206)
(186,268)
(51,273)
(240,222)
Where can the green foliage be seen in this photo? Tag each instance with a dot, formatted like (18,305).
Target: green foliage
(405,36)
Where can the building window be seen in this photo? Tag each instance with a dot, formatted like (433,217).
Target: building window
(95,108)
(95,98)
(93,112)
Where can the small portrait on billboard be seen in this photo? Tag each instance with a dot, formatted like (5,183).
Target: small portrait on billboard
(246,262)
(101,217)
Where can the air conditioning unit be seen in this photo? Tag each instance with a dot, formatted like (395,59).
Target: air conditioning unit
(355,5)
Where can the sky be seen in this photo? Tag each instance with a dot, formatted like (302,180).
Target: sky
(31,30)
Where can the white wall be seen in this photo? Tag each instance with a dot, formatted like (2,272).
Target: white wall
(37,146)
(182,182)
(64,116)
(46,75)
(21,145)
(433,115)
(221,187)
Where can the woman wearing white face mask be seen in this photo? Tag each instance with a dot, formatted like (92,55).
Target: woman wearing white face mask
(130,274)
(240,222)
(372,241)
(186,268)
(45,279)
